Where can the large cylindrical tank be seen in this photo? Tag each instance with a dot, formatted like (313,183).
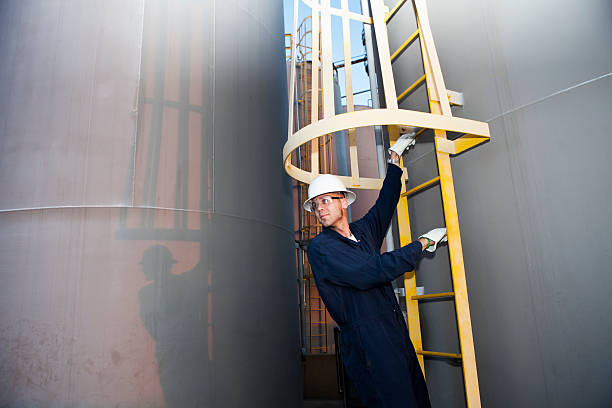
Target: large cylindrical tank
(146,243)
(533,203)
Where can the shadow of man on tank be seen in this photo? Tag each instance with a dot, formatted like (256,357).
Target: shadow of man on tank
(173,310)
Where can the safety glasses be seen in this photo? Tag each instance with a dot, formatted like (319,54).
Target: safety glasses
(324,201)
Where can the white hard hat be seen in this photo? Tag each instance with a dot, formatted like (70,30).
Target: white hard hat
(327,183)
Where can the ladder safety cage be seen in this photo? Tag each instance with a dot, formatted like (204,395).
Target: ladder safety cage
(473,132)
(322,125)
(315,320)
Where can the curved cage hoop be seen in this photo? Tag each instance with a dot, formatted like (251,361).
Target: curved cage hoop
(314,92)
(474,133)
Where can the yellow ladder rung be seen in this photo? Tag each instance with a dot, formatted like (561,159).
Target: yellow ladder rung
(404,45)
(438,354)
(318,335)
(318,322)
(420,187)
(411,88)
(394,10)
(433,296)
(319,348)
(318,310)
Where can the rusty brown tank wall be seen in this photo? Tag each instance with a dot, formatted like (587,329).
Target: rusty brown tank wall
(146,247)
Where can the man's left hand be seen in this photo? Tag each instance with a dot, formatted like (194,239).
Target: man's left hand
(431,240)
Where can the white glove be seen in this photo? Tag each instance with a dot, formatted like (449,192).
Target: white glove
(403,143)
(436,235)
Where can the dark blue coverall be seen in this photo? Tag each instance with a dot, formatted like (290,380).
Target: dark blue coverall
(354,281)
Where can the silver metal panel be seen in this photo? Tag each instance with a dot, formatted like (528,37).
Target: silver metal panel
(145,224)
(533,202)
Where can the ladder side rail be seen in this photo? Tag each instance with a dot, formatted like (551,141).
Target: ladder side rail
(314,87)
(403,218)
(384,55)
(430,55)
(292,82)
(452,223)
(412,306)
(326,60)
(394,10)
(314,71)
(348,76)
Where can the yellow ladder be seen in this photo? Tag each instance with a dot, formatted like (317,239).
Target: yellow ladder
(323,124)
(432,77)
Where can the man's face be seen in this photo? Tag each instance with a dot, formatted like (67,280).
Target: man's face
(329,207)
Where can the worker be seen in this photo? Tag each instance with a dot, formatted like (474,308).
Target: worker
(354,280)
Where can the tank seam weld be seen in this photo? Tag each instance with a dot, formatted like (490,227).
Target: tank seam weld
(524,106)
(549,96)
(145,207)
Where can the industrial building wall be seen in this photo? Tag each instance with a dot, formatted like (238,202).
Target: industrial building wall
(534,202)
(146,241)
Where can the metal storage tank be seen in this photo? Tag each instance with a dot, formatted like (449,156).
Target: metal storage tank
(146,242)
(534,202)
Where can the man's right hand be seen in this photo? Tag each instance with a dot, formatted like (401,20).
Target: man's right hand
(404,142)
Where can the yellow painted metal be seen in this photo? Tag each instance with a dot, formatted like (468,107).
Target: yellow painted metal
(306,88)
(314,80)
(326,60)
(412,306)
(411,88)
(460,144)
(290,128)
(458,276)
(420,187)
(438,354)
(434,296)
(318,130)
(317,133)
(442,107)
(384,55)
(405,45)
(338,12)
(455,98)
(372,117)
(350,107)
(394,10)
